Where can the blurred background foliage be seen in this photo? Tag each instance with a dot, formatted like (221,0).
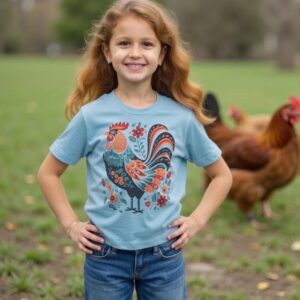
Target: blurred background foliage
(215,29)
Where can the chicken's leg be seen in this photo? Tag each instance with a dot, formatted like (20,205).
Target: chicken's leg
(139,209)
(133,208)
(254,223)
(267,211)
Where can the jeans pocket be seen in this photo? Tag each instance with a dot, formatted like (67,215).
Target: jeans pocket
(166,251)
(104,252)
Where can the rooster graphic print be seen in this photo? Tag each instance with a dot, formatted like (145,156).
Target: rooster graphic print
(137,162)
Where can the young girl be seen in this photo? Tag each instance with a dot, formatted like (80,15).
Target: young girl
(137,120)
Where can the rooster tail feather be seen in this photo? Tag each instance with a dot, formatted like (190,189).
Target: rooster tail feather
(160,146)
(211,106)
(162,158)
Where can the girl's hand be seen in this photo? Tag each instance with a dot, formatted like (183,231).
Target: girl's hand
(81,233)
(188,227)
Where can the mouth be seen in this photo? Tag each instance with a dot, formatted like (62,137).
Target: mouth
(135,66)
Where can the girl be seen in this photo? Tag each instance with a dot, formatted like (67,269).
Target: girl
(137,120)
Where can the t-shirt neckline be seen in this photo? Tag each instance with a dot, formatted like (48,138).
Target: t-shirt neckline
(133,110)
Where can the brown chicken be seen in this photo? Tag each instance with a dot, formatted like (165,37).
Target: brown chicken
(245,123)
(263,162)
(218,131)
(250,124)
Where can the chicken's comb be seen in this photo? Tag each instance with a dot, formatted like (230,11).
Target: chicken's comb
(295,101)
(233,108)
(119,126)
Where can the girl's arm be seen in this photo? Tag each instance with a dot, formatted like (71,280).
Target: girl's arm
(217,190)
(54,192)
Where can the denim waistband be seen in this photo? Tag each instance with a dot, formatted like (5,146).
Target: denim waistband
(153,249)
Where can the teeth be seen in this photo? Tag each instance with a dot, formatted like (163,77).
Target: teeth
(134,66)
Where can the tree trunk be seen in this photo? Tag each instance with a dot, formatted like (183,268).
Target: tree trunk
(286,37)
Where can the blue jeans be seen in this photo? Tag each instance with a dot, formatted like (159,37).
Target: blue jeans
(157,273)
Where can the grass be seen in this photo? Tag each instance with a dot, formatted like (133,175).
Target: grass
(33,94)
(37,256)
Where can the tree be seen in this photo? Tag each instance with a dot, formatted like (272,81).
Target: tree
(220,28)
(283,20)
(77,19)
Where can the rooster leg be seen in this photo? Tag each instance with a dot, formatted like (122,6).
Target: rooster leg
(267,211)
(131,206)
(134,209)
(139,209)
(254,223)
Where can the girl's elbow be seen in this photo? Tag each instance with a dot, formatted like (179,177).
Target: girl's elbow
(228,175)
(40,175)
(229,178)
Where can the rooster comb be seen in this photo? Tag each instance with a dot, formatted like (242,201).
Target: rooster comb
(119,126)
(295,102)
(233,107)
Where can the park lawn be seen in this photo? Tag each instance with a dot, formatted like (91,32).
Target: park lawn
(37,260)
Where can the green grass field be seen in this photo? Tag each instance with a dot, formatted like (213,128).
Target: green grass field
(38,261)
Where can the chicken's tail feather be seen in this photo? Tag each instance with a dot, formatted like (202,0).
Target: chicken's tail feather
(160,146)
(211,106)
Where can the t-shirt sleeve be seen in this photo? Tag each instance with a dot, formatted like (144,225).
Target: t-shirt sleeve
(201,150)
(71,145)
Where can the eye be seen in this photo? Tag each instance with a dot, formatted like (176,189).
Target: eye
(148,44)
(123,43)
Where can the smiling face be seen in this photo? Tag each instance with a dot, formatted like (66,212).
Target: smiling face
(134,51)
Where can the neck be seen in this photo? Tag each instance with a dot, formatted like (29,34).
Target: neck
(137,96)
(279,132)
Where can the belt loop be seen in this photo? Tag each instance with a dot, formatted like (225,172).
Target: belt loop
(155,250)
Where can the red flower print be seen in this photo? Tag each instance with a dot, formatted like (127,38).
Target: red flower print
(169,175)
(162,201)
(138,132)
(102,182)
(147,203)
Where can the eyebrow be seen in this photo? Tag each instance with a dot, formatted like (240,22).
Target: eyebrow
(128,38)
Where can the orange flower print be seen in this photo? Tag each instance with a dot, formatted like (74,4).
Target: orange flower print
(113,198)
(165,189)
(149,188)
(160,173)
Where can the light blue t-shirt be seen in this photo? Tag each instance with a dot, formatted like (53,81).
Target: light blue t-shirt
(136,165)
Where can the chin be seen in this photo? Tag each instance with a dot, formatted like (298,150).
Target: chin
(137,79)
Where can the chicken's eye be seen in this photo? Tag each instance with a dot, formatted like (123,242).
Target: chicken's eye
(110,137)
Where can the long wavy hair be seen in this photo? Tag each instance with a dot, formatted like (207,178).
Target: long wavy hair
(96,77)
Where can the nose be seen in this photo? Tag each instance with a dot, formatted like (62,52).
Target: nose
(135,52)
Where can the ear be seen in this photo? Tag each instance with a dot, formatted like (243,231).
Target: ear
(162,54)
(106,52)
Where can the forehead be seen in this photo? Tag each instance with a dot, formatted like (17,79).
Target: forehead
(133,27)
